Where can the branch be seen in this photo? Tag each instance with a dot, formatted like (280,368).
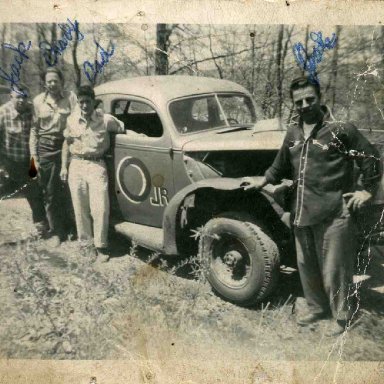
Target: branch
(194,62)
(213,57)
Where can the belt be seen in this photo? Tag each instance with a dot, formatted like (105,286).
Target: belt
(88,157)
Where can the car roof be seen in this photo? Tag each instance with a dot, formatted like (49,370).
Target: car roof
(165,88)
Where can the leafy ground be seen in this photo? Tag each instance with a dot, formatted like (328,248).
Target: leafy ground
(57,304)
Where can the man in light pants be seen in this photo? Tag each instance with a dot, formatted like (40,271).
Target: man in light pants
(87,140)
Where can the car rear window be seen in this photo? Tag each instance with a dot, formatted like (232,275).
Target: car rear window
(138,116)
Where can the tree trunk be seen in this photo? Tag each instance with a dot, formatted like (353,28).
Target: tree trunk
(40,31)
(161,56)
(3,50)
(266,103)
(253,55)
(279,75)
(219,69)
(75,62)
(334,63)
(306,45)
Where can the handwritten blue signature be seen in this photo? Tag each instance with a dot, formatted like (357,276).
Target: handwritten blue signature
(51,52)
(310,62)
(13,77)
(92,70)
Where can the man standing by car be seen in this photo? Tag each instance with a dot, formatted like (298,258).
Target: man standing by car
(52,108)
(87,140)
(319,154)
(16,118)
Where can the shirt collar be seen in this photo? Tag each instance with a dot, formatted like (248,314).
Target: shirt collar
(94,117)
(61,95)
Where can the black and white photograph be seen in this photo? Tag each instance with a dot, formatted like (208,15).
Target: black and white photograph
(198,199)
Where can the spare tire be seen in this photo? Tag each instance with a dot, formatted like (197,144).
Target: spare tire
(240,260)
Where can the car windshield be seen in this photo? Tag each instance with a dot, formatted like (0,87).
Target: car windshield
(199,113)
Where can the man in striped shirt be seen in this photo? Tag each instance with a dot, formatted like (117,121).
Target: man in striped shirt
(16,118)
(319,154)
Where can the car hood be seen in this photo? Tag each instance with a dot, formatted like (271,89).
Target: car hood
(236,140)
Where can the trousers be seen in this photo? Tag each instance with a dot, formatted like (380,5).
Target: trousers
(88,183)
(326,254)
(18,177)
(57,200)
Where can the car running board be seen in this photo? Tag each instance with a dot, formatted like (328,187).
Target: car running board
(148,237)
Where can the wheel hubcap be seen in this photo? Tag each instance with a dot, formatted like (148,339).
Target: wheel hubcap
(232,258)
(230,261)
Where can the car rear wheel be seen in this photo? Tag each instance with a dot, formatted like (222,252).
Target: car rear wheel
(241,261)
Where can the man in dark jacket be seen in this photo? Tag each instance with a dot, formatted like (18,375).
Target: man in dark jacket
(319,154)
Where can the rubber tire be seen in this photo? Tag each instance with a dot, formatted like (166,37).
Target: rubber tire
(263,253)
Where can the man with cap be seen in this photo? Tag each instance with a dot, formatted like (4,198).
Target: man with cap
(16,118)
(52,109)
(319,155)
(87,140)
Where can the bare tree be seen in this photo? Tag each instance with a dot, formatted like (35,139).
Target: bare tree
(163,33)
(279,70)
(253,57)
(3,50)
(214,58)
(75,61)
(334,69)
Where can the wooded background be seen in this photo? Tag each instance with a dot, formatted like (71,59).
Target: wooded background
(260,57)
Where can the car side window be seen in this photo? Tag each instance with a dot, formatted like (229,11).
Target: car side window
(138,117)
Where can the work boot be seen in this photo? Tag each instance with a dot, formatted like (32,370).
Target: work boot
(337,328)
(87,249)
(41,229)
(312,318)
(53,241)
(102,255)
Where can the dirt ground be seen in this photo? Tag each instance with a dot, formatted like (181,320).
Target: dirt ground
(57,304)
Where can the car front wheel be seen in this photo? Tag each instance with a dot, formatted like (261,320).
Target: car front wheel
(241,261)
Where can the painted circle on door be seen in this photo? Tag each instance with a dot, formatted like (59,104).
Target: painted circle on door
(133,179)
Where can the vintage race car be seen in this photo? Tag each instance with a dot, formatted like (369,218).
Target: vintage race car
(176,179)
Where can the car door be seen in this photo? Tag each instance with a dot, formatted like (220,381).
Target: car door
(142,162)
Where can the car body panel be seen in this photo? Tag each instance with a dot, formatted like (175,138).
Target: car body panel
(172,210)
(236,139)
(148,171)
(143,182)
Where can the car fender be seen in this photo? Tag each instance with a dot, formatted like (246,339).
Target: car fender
(171,212)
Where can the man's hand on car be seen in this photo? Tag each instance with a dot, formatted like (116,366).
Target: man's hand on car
(256,183)
(134,134)
(357,199)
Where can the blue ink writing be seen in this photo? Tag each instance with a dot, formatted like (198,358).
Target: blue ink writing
(13,77)
(51,52)
(309,62)
(92,70)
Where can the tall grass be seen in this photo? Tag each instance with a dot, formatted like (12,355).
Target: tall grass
(59,304)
